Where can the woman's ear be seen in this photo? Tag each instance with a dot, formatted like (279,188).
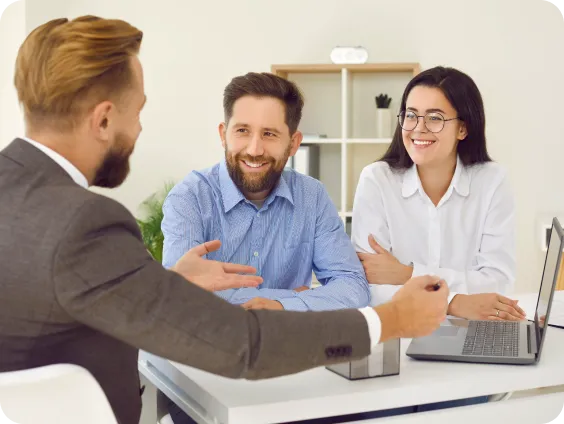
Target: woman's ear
(462,131)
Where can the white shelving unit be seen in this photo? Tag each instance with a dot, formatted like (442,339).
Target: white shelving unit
(352,153)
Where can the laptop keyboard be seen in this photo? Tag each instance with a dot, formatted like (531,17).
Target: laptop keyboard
(492,338)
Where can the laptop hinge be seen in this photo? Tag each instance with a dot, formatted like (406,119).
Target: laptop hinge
(532,338)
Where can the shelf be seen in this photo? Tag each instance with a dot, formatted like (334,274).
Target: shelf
(340,104)
(347,141)
(322,140)
(320,68)
(368,141)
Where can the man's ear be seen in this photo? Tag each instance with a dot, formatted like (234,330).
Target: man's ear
(296,142)
(102,120)
(223,133)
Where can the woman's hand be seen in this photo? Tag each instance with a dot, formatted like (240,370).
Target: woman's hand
(486,306)
(382,267)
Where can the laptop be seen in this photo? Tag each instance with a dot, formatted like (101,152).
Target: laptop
(498,342)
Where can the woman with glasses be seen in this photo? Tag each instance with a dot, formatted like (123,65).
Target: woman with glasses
(437,204)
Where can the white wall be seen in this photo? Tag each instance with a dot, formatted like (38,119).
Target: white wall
(191,49)
(12,34)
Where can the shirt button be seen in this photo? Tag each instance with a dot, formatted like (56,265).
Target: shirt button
(256,254)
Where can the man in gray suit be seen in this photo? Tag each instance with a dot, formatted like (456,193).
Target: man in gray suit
(77,285)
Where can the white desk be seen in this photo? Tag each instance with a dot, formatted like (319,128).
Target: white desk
(320,393)
(532,410)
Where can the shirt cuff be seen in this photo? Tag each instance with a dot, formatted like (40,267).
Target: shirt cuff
(374,326)
(293,304)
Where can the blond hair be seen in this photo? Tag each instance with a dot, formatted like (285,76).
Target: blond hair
(64,68)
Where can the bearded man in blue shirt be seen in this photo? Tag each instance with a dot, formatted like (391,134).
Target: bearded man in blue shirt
(275,219)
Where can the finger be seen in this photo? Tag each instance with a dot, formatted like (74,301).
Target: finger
(507,316)
(249,304)
(205,248)
(212,246)
(255,307)
(238,269)
(440,285)
(256,304)
(505,300)
(374,245)
(516,306)
(247,280)
(443,291)
(494,318)
(443,288)
(234,281)
(510,310)
(424,282)
(510,305)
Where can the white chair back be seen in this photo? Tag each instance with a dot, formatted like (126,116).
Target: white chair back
(54,394)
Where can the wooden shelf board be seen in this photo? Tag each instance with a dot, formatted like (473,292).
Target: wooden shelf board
(321,68)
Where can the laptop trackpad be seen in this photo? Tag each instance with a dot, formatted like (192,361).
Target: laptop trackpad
(446,331)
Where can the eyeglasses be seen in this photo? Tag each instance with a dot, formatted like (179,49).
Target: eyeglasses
(434,121)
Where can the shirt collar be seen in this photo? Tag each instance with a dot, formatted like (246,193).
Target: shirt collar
(77,176)
(232,196)
(460,181)
(411,182)
(282,190)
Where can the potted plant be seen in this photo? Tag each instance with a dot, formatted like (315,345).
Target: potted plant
(383,116)
(150,224)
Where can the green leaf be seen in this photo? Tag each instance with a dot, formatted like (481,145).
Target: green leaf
(150,222)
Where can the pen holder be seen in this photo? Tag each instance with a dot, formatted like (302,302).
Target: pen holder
(383,361)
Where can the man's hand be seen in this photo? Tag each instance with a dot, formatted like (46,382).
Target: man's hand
(262,303)
(486,306)
(301,289)
(416,310)
(382,267)
(213,275)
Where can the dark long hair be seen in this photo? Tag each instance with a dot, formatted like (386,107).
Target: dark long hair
(463,94)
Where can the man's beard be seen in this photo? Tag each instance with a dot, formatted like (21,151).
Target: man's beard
(249,182)
(115,167)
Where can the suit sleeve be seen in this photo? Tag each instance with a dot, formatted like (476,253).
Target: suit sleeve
(104,278)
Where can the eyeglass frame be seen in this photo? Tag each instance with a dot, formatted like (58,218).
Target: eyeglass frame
(425,123)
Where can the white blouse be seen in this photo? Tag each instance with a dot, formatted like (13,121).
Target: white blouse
(468,239)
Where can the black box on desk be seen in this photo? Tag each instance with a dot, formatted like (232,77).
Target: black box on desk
(384,361)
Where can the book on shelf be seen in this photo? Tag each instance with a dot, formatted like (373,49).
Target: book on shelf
(306,160)
(312,137)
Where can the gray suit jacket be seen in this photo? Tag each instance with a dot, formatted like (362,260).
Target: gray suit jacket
(78,286)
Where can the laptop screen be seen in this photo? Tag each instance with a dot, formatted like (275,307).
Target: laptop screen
(549,277)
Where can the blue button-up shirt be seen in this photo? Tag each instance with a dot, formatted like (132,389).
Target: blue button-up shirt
(296,231)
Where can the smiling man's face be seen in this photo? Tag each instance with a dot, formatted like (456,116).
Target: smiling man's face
(257,143)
